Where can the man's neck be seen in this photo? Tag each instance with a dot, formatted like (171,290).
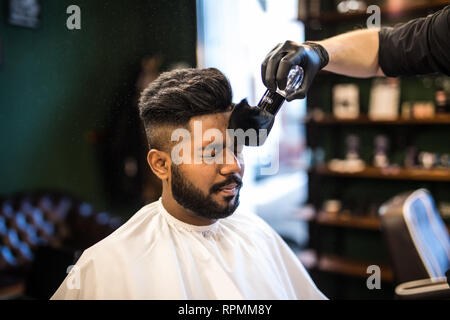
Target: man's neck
(179,212)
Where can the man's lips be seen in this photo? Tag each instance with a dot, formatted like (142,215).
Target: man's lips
(229,186)
(230,189)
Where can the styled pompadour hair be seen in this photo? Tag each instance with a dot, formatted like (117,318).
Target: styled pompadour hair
(176,96)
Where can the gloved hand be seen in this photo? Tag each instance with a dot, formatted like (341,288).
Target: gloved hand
(276,66)
(247,117)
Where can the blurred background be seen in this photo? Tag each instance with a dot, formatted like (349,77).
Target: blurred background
(72,160)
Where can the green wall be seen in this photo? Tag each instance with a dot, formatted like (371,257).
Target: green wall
(57,85)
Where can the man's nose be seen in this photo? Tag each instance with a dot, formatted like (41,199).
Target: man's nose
(231,165)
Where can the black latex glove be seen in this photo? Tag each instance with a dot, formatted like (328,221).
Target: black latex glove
(276,66)
(247,117)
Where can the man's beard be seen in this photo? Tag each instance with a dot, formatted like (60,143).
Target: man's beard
(190,197)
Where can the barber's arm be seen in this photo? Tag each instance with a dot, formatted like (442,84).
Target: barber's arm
(418,47)
(354,53)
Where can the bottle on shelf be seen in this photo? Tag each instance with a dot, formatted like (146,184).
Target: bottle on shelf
(442,102)
(381,148)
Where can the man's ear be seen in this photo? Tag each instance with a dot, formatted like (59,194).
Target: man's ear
(159,162)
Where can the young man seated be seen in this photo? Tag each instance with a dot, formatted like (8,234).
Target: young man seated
(192,243)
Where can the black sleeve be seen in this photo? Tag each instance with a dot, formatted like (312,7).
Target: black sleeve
(419,46)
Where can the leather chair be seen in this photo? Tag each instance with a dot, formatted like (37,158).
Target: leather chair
(41,234)
(419,245)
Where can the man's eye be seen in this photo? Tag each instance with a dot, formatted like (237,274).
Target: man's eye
(209,154)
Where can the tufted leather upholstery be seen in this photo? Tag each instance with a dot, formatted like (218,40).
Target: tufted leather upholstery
(43,231)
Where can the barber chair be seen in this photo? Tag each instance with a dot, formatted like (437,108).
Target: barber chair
(418,244)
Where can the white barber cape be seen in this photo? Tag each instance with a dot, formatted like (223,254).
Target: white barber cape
(156,256)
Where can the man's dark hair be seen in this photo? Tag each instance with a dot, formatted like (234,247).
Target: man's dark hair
(176,96)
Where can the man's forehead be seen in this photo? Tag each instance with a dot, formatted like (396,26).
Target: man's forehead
(216,121)
(211,121)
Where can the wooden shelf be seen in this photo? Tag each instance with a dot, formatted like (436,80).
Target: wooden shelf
(442,175)
(345,220)
(344,266)
(350,267)
(386,12)
(12,291)
(342,219)
(337,231)
(348,220)
(441,119)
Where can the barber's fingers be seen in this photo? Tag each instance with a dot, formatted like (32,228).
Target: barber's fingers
(270,65)
(288,61)
(266,61)
(299,94)
(272,68)
(310,71)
